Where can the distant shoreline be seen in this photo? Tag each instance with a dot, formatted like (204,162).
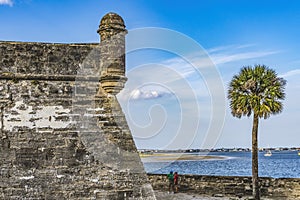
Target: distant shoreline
(177,156)
(151,151)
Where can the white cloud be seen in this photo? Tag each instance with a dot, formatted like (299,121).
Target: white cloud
(232,53)
(148,94)
(228,47)
(196,72)
(217,56)
(193,83)
(6,2)
(223,58)
(291,73)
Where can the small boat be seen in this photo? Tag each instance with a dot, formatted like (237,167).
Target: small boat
(268,153)
(299,153)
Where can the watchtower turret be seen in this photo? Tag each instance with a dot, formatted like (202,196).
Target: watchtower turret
(112,34)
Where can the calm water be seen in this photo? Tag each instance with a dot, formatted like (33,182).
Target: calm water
(280,164)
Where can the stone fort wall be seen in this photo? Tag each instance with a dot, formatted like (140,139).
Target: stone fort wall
(235,186)
(63,134)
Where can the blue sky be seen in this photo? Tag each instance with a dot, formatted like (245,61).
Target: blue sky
(167,102)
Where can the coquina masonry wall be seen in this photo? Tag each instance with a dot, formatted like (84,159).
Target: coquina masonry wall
(63,134)
(281,189)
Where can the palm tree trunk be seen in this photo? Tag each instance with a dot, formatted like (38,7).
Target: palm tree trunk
(255,184)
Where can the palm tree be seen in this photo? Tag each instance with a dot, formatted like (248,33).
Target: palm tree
(256,90)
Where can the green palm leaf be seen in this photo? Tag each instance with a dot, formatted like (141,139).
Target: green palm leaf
(256,89)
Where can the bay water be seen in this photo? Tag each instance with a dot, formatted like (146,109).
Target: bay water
(282,164)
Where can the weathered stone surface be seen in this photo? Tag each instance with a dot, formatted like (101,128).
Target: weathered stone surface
(63,135)
(112,32)
(235,186)
(42,58)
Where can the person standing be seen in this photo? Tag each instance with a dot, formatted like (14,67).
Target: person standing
(176,182)
(171,181)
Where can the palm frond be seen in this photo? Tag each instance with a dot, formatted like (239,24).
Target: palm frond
(256,89)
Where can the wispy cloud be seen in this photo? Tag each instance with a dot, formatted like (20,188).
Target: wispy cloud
(192,78)
(6,2)
(291,73)
(189,71)
(217,56)
(232,53)
(181,66)
(228,47)
(223,58)
(188,87)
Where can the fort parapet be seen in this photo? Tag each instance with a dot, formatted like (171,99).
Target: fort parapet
(63,134)
(231,186)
